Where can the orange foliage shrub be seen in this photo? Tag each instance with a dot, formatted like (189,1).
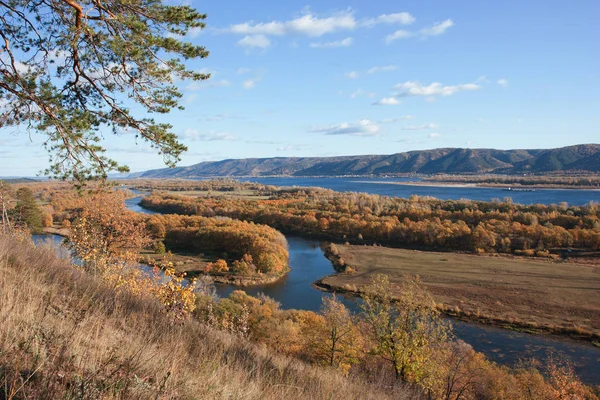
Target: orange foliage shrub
(217,267)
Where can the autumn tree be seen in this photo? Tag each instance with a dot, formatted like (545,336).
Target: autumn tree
(335,339)
(47,220)
(107,238)
(404,324)
(72,69)
(564,383)
(6,203)
(105,234)
(456,372)
(218,267)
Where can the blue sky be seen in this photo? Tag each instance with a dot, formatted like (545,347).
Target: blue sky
(336,77)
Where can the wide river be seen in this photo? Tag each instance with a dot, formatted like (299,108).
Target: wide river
(391,187)
(308,264)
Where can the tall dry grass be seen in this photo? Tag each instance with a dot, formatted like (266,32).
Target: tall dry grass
(64,334)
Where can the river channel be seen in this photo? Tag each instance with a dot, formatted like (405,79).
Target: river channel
(308,264)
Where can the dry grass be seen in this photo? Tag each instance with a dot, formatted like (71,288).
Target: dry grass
(551,296)
(65,334)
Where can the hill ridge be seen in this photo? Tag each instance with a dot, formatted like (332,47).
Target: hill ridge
(450,160)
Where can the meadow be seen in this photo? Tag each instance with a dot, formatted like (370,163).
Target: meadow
(518,292)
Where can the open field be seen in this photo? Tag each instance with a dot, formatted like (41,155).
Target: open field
(551,296)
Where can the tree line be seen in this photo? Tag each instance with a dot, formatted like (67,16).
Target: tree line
(248,247)
(237,247)
(587,181)
(496,226)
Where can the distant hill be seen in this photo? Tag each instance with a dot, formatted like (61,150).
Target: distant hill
(19,180)
(584,157)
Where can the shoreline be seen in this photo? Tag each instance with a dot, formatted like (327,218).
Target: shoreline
(341,268)
(241,281)
(367,179)
(449,311)
(482,185)
(524,327)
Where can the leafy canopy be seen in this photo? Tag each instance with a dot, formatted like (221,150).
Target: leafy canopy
(70,68)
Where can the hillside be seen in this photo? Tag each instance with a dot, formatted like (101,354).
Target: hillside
(446,160)
(67,335)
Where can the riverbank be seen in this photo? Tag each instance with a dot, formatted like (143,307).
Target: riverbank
(442,184)
(533,296)
(50,230)
(193,266)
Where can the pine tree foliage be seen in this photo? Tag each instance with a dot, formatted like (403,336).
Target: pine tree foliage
(75,69)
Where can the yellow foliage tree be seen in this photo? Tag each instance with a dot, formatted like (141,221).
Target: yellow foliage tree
(107,238)
(404,325)
(334,339)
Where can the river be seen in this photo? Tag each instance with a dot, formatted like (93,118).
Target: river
(308,264)
(390,187)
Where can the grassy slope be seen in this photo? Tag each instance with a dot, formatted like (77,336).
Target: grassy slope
(557,296)
(66,335)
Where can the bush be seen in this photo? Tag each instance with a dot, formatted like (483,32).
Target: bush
(159,247)
(219,266)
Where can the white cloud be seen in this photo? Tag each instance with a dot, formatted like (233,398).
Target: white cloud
(384,68)
(242,71)
(189,98)
(200,85)
(396,119)
(439,28)
(420,127)
(502,82)
(259,141)
(387,101)
(194,32)
(412,88)
(307,25)
(360,92)
(193,134)
(399,34)
(351,75)
(255,41)
(288,147)
(402,18)
(250,83)
(363,127)
(338,43)
(434,135)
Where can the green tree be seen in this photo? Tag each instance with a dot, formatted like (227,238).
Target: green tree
(71,68)
(27,211)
